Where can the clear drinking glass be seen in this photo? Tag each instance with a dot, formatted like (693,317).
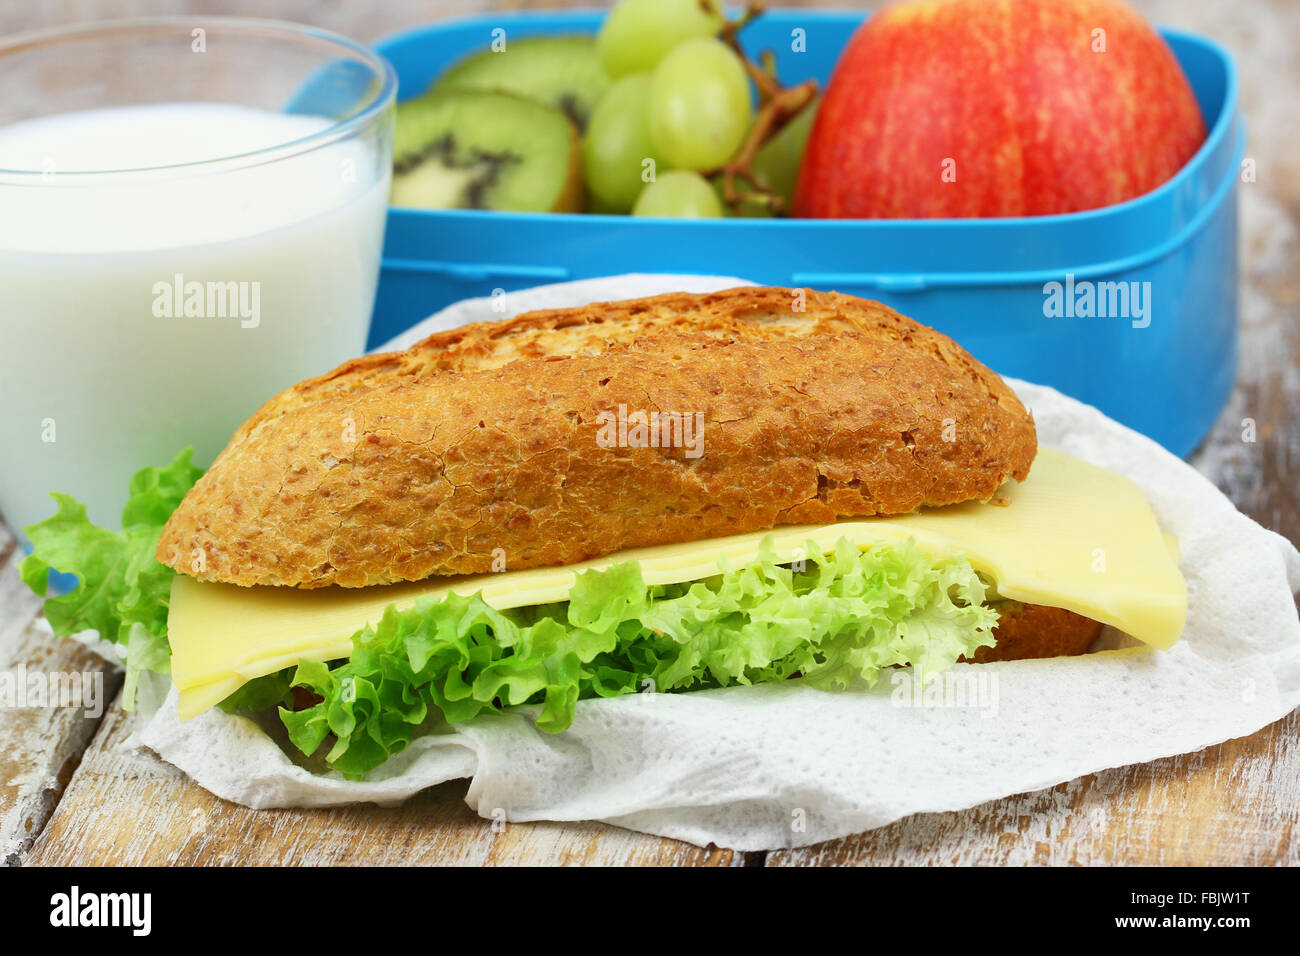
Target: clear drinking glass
(191,218)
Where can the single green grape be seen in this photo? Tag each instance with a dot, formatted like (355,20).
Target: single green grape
(679,194)
(700,105)
(776,164)
(617,144)
(638,33)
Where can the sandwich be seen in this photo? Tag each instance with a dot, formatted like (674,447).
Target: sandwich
(668,494)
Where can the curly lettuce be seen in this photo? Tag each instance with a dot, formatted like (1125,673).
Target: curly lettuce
(122,591)
(844,616)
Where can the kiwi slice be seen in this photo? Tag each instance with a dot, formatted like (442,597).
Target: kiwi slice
(563,71)
(474,149)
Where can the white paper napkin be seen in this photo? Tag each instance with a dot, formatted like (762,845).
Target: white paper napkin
(786,765)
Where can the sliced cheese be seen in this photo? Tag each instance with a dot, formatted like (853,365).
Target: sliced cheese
(1072,535)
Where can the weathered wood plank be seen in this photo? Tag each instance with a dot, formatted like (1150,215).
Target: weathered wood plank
(39,745)
(126,807)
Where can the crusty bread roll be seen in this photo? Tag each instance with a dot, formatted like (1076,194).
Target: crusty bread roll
(489,446)
(1035,630)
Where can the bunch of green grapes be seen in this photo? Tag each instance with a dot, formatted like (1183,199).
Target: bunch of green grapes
(680,106)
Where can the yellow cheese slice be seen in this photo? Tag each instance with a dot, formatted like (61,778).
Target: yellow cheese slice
(1072,535)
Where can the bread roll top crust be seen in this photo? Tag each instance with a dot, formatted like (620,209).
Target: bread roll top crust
(569,434)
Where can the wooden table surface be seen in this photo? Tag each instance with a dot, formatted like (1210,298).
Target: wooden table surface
(70,793)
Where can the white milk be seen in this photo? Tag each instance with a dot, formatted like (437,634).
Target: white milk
(103,368)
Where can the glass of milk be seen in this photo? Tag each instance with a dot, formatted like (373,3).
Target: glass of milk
(191,218)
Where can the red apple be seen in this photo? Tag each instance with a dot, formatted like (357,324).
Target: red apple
(959,108)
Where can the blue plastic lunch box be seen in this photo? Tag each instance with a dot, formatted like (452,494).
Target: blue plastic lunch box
(1003,288)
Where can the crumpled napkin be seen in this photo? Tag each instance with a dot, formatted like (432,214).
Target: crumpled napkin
(784,765)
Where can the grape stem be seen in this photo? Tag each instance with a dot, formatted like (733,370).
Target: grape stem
(777,106)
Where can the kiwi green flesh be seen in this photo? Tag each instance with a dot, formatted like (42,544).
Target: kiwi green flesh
(470,149)
(563,71)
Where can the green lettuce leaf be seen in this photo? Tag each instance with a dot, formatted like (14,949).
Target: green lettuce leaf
(122,591)
(261,693)
(843,617)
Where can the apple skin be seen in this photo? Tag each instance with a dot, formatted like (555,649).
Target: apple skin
(1030,120)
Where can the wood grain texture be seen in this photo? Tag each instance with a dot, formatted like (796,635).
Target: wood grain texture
(1235,803)
(125,807)
(39,745)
